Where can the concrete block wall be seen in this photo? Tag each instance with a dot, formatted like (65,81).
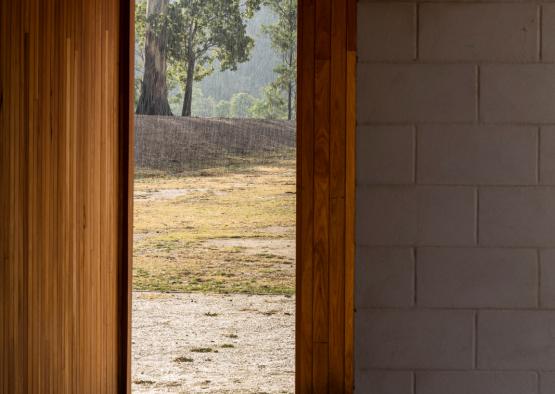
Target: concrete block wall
(455,275)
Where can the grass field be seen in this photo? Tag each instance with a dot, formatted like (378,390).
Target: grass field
(221,230)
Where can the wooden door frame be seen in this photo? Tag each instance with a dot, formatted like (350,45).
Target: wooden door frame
(127,94)
(325,195)
(326,123)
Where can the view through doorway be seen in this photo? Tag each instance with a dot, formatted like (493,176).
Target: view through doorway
(214,199)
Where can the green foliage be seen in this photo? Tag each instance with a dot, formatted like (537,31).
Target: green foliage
(204,32)
(140,23)
(251,76)
(218,36)
(271,106)
(283,35)
(176,100)
(223,109)
(240,105)
(202,105)
(140,35)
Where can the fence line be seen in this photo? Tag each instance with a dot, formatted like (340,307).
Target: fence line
(186,143)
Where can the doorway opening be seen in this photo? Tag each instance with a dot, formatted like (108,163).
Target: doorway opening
(215,196)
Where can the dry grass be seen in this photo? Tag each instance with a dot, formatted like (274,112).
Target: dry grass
(218,231)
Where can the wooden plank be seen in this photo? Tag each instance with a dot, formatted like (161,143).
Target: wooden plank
(75,208)
(126,87)
(17,208)
(322,34)
(321,173)
(34,290)
(97,207)
(351,33)
(111,211)
(10,110)
(43,174)
(350,193)
(65,169)
(104,203)
(26,217)
(57,247)
(305,197)
(59,260)
(86,171)
(4,207)
(337,214)
(321,369)
(321,296)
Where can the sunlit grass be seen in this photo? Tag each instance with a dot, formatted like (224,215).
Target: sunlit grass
(222,232)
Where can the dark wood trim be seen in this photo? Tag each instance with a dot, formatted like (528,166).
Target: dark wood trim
(325,195)
(127,168)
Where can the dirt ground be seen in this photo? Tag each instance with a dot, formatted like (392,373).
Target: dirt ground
(216,231)
(200,343)
(214,261)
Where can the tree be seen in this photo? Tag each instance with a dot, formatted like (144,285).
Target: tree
(240,105)
(271,106)
(283,35)
(175,100)
(203,106)
(202,33)
(251,76)
(154,90)
(140,35)
(222,109)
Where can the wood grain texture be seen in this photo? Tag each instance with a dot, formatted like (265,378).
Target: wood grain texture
(64,188)
(305,197)
(66,178)
(325,201)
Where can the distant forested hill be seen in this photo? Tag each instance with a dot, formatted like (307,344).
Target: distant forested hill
(251,76)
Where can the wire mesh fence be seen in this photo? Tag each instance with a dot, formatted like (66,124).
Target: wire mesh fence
(186,143)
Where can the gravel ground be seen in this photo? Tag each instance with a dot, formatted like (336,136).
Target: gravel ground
(198,343)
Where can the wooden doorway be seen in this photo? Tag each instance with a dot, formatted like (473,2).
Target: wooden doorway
(325,195)
(65,192)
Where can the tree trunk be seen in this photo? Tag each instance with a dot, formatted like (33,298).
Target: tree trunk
(290,90)
(290,102)
(188,96)
(154,90)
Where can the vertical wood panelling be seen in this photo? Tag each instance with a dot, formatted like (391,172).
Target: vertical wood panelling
(326,124)
(63,211)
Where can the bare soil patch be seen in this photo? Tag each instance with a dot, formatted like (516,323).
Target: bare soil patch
(198,343)
(232,231)
(257,246)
